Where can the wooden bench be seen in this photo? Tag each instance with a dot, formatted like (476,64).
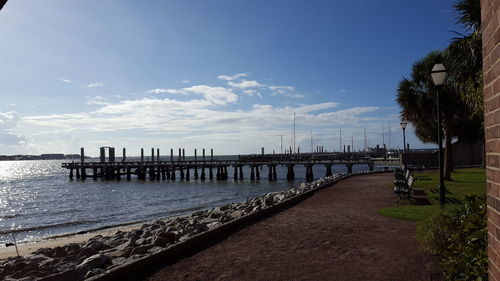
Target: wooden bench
(401,177)
(404,189)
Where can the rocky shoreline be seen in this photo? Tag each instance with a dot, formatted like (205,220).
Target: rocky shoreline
(100,254)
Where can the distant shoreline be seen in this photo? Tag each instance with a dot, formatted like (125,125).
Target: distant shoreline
(41,157)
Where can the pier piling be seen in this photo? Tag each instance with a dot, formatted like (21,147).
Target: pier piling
(102,155)
(349,168)
(172,175)
(290,175)
(328,170)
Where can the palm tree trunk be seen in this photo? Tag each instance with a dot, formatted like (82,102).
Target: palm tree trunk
(448,155)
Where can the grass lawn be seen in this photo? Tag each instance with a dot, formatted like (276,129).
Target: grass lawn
(465,182)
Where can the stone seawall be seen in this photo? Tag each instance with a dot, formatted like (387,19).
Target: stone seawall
(127,255)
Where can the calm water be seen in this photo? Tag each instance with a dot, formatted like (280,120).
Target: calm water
(37,199)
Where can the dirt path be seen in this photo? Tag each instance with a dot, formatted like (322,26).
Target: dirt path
(336,234)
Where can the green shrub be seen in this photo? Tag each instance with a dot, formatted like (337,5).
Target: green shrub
(459,237)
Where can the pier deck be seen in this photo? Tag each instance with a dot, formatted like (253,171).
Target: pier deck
(208,167)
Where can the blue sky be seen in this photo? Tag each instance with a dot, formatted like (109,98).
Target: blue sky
(226,74)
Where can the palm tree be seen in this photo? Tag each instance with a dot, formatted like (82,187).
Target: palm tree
(417,98)
(466,64)
(466,60)
(2,3)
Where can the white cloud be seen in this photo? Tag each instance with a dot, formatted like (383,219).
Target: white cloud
(97,84)
(64,80)
(97,100)
(185,81)
(244,84)
(251,92)
(286,91)
(281,88)
(166,122)
(216,95)
(165,91)
(232,77)
(8,121)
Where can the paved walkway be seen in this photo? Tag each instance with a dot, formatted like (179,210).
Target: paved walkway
(336,234)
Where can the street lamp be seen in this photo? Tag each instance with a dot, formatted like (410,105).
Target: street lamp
(438,74)
(403,126)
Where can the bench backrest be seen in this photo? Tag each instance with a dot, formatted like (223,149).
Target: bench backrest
(411,180)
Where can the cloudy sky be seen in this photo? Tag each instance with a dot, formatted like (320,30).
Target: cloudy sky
(222,74)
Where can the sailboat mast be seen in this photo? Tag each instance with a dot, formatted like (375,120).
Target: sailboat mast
(294,132)
(340,140)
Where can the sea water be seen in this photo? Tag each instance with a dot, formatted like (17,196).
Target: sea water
(37,199)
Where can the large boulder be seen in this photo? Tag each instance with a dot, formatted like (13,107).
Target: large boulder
(85,253)
(95,261)
(141,250)
(59,252)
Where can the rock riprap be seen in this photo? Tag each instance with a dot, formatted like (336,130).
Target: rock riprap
(78,261)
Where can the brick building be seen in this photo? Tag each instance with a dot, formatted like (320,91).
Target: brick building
(490,18)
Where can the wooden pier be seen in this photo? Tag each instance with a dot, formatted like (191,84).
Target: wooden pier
(207,168)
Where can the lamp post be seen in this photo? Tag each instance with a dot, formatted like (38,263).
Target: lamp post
(438,74)
(403,126)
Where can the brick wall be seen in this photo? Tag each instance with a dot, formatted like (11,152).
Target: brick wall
(490,17)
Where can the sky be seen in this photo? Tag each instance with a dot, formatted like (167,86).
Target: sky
(221,74)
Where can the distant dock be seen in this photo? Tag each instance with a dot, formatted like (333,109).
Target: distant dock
(203,167)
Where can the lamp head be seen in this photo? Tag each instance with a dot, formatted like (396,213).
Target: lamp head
(438,74)
(403,124)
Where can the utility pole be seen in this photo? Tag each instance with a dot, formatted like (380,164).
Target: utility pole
(383,135)
(352,143)
(365,140)
(389,146)
(312,148)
